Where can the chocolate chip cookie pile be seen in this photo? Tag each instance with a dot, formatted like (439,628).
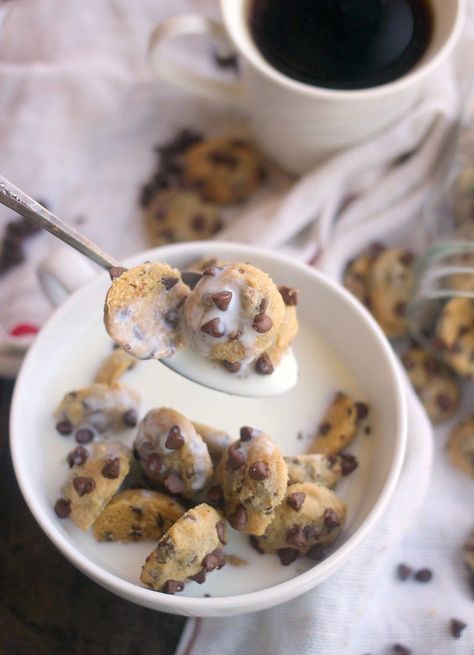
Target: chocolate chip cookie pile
(235,314)
(184,483)
(195,178)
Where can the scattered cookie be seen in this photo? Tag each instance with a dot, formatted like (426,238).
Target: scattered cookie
(437,386)
(310,515)
(455,335)
(217,441)
(141,311)
(325,470)
(233,313)
(172,453)
(356,277)
(175,215)
(223,170)
(93,482)
(338,427)
(461,446)
(253,477)
(191,548)
(390,280)
(114,366)
(101,406)
(137,515)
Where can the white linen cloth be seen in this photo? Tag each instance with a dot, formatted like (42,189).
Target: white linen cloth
(79,116)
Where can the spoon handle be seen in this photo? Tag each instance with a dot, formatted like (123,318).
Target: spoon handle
(17,200)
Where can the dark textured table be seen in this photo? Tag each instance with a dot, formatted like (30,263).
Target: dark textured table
(47,607)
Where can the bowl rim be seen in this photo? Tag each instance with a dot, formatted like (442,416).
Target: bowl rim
(261,598)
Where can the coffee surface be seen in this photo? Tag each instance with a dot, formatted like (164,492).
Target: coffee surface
(342,44)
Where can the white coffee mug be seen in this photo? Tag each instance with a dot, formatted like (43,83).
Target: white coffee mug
(298,124)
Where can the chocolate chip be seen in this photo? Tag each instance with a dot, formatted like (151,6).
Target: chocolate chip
(232,367)
(213,329)
(376,249)
(222,299)
(404,572)
(264,365)
(169,281)
(198,222)
(135,533)
(401,650)
(259,470)
(223,157)
(349,463)
(295,536)
(331,519)
(130,418)
(172,586)
(83,485)
(235,457)
(262,323)
(438,344)
(289,295)
(77,457)
(367,429)
(444,402)
(214,560)
(316,553)
(174,483)
(220,529)
(214,494)
(324,428)
(226,61)
(64,427)
(399,309)
(256,545)
(116,271)
(84,435)
(238,519)
(456,627)
(111,468)
(296,500)
(287,555)
(407,258)
(408,361)
(175,440)
(200,577)
(362,410)
(247,433)
(138,512)
(153,463)
(423,575)
(62,508)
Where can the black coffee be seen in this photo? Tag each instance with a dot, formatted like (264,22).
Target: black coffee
(342,44)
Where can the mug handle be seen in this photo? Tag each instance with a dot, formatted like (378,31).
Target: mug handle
(229,92)
(62,272)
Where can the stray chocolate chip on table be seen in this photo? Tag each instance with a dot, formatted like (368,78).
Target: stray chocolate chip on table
(399,649)
(423,575)
(404,572)
(456,627)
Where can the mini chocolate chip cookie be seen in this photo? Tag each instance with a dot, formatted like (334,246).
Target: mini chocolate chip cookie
(233,313)
(436,385)
(390,280)
(137,515)
(176,215)
(356,277)
(461,446)
(252,476)
(190,549)
(455,333)
(286,332)
(325,470)
(339,425)
(310,515)
(217,441)
(93,482)
(102,406)
(142,310)
(172,453)
(114,366)
(223,170)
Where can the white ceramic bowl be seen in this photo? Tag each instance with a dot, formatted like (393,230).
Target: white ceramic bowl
(339,345)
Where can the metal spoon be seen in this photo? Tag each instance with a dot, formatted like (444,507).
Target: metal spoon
(186,363)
